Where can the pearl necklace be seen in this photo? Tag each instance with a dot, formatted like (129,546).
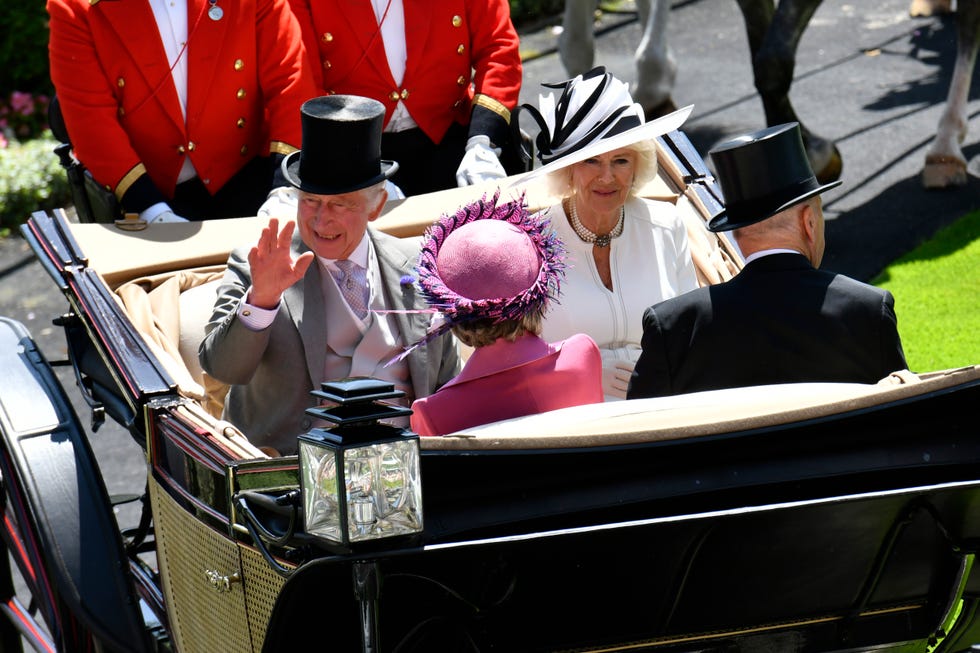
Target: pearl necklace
(591,237)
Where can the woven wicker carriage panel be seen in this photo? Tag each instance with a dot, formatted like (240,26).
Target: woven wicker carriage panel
(262,587)
(202,618)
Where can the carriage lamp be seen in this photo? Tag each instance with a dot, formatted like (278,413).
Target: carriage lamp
(359,480)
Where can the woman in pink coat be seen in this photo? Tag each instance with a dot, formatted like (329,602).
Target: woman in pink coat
(492,270)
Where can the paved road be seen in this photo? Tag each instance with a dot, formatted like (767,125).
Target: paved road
(867,75)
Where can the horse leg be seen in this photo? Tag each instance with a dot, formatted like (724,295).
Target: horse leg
(576,43)
(945,164)
(656,68)
(774,34)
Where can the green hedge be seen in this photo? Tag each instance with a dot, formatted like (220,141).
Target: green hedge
(24,48)
(31,179)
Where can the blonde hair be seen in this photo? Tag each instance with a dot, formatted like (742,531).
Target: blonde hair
(480,333)
(559,182)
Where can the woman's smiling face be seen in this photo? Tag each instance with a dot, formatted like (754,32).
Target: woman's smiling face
(603,182)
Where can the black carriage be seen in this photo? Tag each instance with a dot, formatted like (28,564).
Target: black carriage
(805,517)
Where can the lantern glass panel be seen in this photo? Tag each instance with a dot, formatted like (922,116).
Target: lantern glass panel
(321,488)
(384,491)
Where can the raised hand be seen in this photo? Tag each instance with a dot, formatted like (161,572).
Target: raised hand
(272,264)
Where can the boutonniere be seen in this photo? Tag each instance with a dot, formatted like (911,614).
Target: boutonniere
(407,280)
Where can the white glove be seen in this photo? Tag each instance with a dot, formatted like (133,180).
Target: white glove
(280,203)
(480,162)
(159,213)
(616,377)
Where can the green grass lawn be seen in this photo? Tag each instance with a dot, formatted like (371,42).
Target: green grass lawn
(937,298)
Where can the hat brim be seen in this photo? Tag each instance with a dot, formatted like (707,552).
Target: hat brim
(290,170)
(727,222)
(644,132)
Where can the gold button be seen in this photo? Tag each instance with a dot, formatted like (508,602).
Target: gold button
(460,80)
(404,93)
(461,49)
(191,146)
(122,112)
(244,150)
(394,96)
(180,149)
(120,82)
(241,123)
(327,37)
(108,188)
(239,64)
(457,21)
(241,94)
(246,312)
(327,65)
(456,104)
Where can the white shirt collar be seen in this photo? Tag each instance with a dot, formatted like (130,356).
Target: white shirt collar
(766,252)
(359,256)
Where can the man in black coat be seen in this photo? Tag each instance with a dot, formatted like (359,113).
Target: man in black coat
(780,320)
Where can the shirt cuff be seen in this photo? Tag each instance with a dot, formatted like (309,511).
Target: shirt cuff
(255,318)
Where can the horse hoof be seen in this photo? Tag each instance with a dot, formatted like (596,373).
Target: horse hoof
(930,7)
(660,110)
(825,159)
(943,172)
(832,168)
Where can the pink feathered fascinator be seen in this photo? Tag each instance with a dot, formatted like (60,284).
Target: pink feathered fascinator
(488,261)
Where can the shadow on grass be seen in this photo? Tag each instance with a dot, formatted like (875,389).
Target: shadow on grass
(862,242)
(949,240)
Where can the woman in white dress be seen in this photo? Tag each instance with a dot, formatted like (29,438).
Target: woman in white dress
(625,252)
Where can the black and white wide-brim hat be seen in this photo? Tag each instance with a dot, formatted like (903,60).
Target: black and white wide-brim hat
(594,114)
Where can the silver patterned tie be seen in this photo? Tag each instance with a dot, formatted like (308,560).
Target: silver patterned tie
(353,286)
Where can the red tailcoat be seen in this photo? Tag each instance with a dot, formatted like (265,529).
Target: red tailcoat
(460,52)
(120,107)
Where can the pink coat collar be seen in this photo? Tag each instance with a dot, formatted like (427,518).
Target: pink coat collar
(503,355)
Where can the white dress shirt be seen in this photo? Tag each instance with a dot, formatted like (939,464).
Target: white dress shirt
(391,19)
(171,16)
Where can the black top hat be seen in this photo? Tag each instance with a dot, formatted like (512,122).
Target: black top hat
(761,174)
(341,146)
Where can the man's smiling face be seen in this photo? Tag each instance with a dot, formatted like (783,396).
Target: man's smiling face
(333,225)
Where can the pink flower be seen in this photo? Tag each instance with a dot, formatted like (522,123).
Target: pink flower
(22,103)
(3,141)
